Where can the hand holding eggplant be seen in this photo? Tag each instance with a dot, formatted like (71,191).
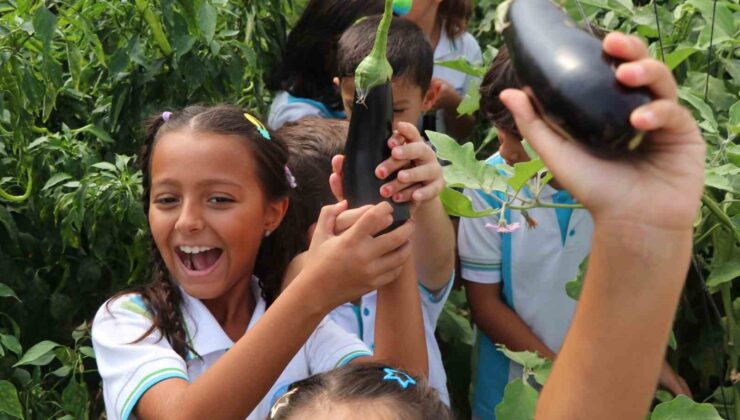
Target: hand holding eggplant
(661,188)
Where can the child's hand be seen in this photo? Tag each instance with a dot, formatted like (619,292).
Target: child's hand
(672,381)
(659,189)
(420,181)
(355,262)
(448,98)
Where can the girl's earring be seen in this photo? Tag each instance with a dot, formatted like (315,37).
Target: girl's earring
(267,233)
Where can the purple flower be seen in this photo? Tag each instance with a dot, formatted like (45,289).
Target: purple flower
(502,227)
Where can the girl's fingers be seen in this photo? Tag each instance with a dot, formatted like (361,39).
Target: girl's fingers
(327,219)
(428,192)
(392,240)
(347,218)
(625,47)
(377,218)
(335,183)
(337,163)
(663,114)
(409,132)
(389,166)
(406,194)
(391,262)
(414,151)
(649,73)
(544,140)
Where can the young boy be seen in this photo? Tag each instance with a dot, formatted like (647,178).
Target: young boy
(312,143)
(411,57)
(515,281)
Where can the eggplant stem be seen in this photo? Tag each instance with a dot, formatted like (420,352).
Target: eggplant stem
(374,70)
(636,141)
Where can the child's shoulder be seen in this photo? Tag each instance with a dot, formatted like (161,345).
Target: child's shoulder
(464,44)
(128,305)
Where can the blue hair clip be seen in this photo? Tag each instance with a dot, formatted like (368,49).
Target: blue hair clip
(258,124)
(403,378)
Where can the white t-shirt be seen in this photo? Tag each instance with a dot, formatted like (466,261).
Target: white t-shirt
(286,108)
(533,266)
(464,45)
(129,369)
(360,320)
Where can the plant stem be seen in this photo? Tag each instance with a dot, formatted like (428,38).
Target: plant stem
(726,293)
(714,207)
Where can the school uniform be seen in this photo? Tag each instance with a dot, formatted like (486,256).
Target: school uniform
(360,320)
(464,45)
(129,369)
(532,266)
(286,108)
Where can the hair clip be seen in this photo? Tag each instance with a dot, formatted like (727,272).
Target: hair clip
(166,116)
(289,176)
(281,403)
(258,124)
(403,378)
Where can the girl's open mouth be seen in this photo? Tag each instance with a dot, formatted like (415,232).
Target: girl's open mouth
(198,260)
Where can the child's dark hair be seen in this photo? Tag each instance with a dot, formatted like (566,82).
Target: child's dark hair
(409,51)
(312,143)
(364,385)
(455,15)
(500,76)
(308,62)
(162,295)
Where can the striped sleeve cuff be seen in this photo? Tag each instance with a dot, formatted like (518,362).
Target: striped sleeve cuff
(352,356)
(144,384)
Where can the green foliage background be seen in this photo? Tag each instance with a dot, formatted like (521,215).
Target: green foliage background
(77,77)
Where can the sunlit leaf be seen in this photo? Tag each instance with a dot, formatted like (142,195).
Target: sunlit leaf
(518,403)
(684,408)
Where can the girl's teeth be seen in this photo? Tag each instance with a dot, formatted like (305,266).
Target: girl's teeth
(195,249)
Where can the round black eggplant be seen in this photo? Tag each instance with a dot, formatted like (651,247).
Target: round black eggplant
(569,78)
(370,127)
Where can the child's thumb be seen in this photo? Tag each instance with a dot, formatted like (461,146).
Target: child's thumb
(327,221)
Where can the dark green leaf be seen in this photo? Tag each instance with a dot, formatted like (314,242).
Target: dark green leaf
(74,399)
(6,291)
(56,179)
(207,17)
(11,343)
(9,402)
(6,219)
(38,354)
(87,351)
(44,24)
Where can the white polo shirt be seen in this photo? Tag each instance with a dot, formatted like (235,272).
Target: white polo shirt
(533,266)
(286,108)
(129,369)
(360,320)
(464,45)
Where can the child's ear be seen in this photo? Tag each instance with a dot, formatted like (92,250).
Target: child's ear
(336,81)
(275,212)
(430,98)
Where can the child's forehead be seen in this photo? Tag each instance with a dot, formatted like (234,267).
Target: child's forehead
(185,149)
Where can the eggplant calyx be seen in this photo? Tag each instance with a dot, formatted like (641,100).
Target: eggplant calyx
(374,70)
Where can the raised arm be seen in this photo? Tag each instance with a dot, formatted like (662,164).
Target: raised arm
(643,210)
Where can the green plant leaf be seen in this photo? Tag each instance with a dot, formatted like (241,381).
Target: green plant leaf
(573,288)
(459,205)
(207,17)
(723,273)
(464,169)
(38,354)
(528,359)
(704,110)
(6,219)
(106,166)
(725,177)
(88,351)
(471,101)
(95,131)
(56,179)
(683,408)
(44,24)
(672,343)
(519,402)
(74,398)
(6,291)
(523,171)
(11,343)
(678,56)
(462,65)
(9,402)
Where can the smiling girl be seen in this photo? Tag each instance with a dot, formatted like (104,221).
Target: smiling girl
(209,336)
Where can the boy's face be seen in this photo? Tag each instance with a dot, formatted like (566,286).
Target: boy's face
(409,102)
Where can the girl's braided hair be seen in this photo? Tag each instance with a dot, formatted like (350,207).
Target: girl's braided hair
(162,295)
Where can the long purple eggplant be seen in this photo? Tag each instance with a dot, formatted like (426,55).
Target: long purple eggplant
(569,78)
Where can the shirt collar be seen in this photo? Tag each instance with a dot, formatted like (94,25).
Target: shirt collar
(204,332)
